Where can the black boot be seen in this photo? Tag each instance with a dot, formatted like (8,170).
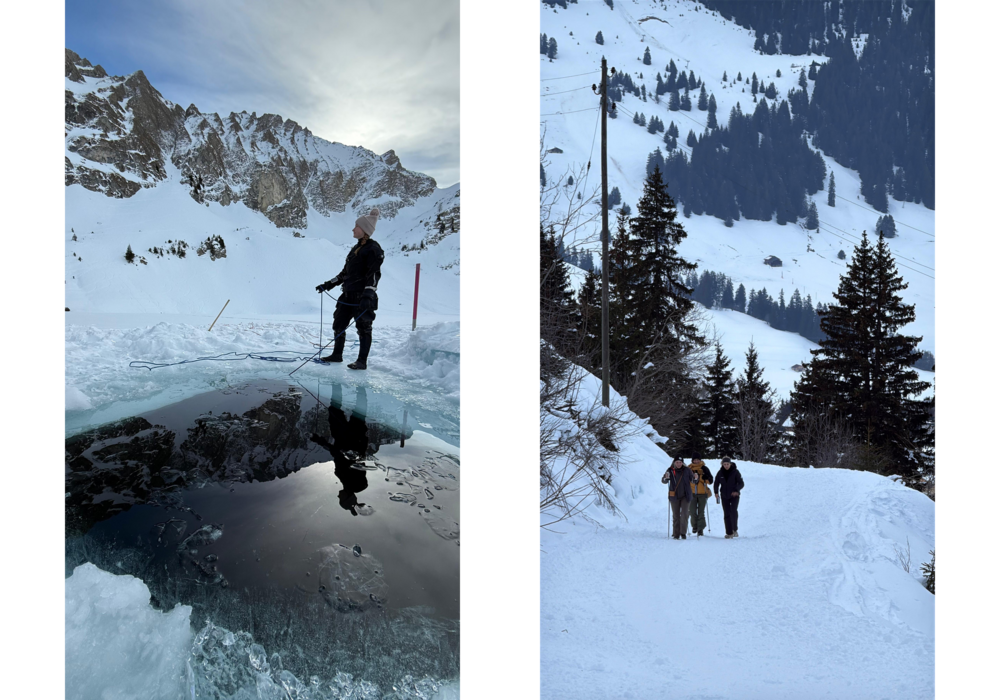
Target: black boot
(338,350)
(358,364)
(366,345)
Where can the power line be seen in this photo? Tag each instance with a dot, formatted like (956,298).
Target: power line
(562,92)
(570,76)
(898,263)
(876,212)
(896,255)
(573,112)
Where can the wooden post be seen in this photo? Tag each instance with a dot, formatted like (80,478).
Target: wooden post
(605,344)
(220,313)
(416,293)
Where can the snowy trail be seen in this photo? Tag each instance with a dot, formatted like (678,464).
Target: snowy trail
(808,602)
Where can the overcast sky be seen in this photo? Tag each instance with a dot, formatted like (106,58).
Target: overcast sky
(375,73)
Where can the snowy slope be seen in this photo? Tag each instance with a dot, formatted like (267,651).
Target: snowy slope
(709,45)
(778,351)
(809,602)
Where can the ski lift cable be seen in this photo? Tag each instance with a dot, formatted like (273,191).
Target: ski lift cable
(573,112)
(919,272)
(901,223)
(593,140)
(894,254)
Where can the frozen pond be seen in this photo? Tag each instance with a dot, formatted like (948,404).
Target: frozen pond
(322,521)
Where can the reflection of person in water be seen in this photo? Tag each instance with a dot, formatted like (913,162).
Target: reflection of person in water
(348,444)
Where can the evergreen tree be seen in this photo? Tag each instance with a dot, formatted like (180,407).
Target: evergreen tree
(692,140)
(686,101)
(712,122)
(739,77)
(793,312)
(553,49)
(771,92)
(740,301)
(803,82)
(720,407)
(886,226)
(672,130)
(703,99)
(753,85)
(614,197)
(728,300)
(129,255)
(777,73)
(812,70)
(863,371)
(588,302)
(831,198)
(557,302)
(599,38)
(675,101)
(724,77)
(545,44)
(758,436)
(812,220)
(646,58)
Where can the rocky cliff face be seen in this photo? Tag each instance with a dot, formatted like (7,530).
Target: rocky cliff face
(122,135)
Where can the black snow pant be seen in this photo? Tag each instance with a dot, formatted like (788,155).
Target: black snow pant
(730,508)
(348,306)
(679,509)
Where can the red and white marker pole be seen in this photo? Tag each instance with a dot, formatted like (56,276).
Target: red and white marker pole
(416,293)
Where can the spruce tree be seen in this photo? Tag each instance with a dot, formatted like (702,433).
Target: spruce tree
(703,99)
(724,78)
(812,220)
(599,38)
(675,101)
(652,316)
(728,300)
(129,255)
(614,197)
(557,303)
(720,405)
(545,44)
(646,58)
(803,82)
(740,301)
(712,107)
(588,303)
(758,436)
(553,49)
(863,371)
(831,198)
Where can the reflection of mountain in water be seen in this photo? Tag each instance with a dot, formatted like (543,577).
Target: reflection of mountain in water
(145,459)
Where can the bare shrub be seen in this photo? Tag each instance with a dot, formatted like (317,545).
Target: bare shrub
(903,556)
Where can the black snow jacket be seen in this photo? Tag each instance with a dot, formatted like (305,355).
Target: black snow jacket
(728,481)
(680,482)
(363,268)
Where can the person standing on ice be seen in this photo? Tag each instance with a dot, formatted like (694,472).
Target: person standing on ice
(679,477)
(702,479)
(729,482)
(359,286)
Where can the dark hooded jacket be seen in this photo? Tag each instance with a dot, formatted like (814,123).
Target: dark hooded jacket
(728,481)
(680,483)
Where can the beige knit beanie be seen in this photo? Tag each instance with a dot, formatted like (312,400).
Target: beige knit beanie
(367,223)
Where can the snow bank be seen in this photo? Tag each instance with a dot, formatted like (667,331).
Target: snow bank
(811,601)
(117,645)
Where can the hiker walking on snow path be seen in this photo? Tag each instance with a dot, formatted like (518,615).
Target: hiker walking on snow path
(359,283)
(680,478)
(702,480)
(729,482)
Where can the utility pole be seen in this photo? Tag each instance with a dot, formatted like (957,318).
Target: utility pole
(605,344)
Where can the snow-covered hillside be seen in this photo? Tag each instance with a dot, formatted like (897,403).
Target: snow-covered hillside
(811,601)
(699,40)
